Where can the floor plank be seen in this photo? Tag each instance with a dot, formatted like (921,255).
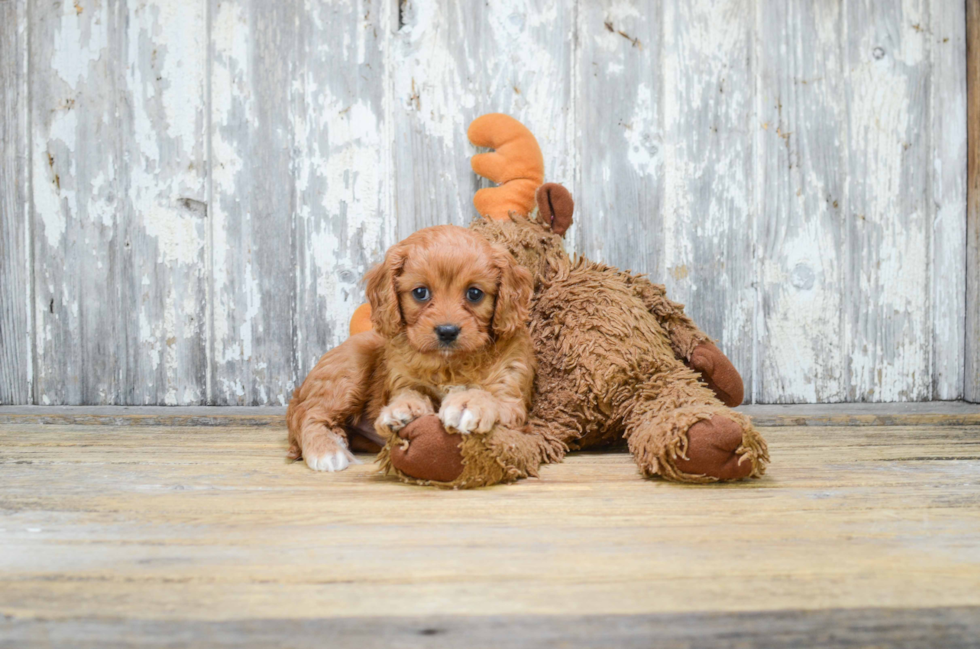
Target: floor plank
(923,413)
(209,528)
(948,628)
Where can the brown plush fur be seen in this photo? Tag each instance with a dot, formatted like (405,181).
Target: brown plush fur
(478,381)
(609,346)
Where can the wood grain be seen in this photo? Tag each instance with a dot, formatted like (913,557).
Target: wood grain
(946,413)
(972,350)
(708,237)
(950,628)
(948,153)
(16,349)
(799,233)
(253,199)
(620,125)
(118,178)
(342,168)
(300,202)
(887,206)
(190,525)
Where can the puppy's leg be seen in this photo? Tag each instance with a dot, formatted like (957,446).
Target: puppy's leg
(325,449)
(334,392)
(404,408)
(471,411)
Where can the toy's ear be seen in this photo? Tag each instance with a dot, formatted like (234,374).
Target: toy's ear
(516,165)
(386,313)
(555,207)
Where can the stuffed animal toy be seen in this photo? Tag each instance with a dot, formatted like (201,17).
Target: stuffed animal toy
(616,359)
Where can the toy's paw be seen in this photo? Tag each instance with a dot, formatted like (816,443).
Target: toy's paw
(469,411)
(712,450)
(428,452)
(327,451)
(404,409)
(718,373)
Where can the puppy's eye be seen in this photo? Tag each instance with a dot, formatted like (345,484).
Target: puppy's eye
(421,293)
(473,294)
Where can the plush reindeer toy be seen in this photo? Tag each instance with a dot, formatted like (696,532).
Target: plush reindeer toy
(617,360)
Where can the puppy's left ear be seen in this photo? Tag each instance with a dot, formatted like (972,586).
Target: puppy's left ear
(386,314)
(513,301)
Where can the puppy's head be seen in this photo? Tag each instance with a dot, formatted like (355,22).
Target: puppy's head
(449,291)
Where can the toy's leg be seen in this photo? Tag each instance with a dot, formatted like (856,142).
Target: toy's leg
(718,373)
(691,345)
(334,393)
(426,453)
(678,430)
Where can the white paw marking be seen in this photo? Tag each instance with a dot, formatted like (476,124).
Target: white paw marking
(397,416)
(468,412)
(331,461)
(395,419)
(450,417)
(468,421)
(465,420)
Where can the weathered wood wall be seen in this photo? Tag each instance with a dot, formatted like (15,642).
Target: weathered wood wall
(191,190)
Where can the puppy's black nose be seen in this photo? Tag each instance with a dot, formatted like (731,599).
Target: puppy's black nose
(447,333)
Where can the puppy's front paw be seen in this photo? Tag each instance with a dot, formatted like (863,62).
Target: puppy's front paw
(404,409)
(327,451)
(470,411)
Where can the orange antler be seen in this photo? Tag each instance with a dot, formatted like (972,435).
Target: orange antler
(516,165)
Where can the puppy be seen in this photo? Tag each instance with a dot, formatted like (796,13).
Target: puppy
(449,312)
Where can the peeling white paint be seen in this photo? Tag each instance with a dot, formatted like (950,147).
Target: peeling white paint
(643,154)
(890,364)
(79,44)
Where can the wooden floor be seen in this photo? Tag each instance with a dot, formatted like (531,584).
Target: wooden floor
(205,536)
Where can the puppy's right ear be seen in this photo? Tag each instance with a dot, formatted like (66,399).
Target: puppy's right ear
(386,313)
(555,207)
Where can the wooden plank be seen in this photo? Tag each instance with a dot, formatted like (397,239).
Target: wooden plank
(342,168)
(211,524)
(799,247)
(118,123)
(145,415)
(300,186)
(916,413)
(253,198)
(972,350)
(913,413)
(452,62)
(946,40)
(619,96)
(950,628)
(710,170)
(16,353)
(887,205)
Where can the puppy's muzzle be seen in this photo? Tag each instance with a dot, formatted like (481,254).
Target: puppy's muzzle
(447,334)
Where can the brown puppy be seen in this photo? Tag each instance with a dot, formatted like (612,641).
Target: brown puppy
(449,312)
